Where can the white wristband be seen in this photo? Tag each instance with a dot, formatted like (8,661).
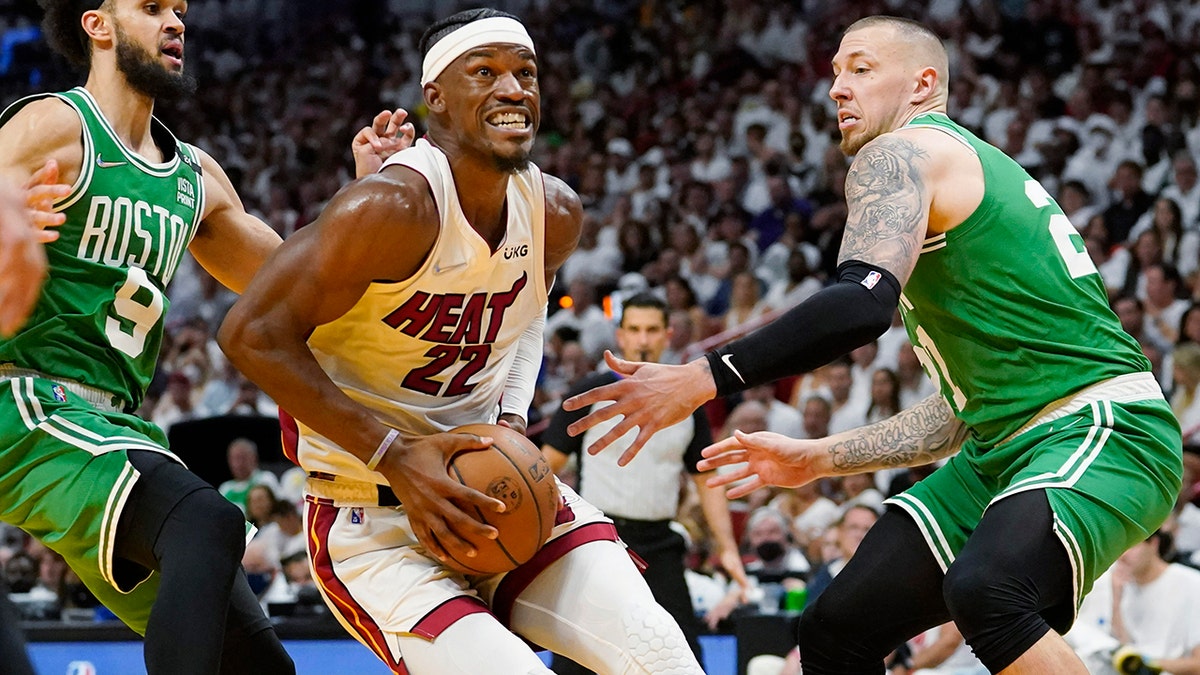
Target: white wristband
(382,449)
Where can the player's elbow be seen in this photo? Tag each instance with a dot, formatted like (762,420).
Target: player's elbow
(238,336)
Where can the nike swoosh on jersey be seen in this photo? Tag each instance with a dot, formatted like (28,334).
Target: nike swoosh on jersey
(727,359)
(107,165)
(438,269)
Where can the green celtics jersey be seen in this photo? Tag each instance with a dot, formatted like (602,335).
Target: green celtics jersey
(1007,312)
(99,320)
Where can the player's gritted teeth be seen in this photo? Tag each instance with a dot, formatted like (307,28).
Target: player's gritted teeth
(846,119)
(510,120)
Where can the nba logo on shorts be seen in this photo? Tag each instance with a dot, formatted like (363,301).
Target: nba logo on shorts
(81,668)
(356,516)
(871,279)
(60,395)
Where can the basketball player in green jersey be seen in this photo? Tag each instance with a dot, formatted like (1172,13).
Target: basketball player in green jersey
(1067,453)
(153,542)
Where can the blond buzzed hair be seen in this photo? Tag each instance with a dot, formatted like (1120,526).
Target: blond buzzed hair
(923,46)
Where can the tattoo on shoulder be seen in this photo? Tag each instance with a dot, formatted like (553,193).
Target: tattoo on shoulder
(926,432)
(886,196)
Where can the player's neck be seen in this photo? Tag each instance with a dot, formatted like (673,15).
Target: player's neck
(126,109)
(482,192)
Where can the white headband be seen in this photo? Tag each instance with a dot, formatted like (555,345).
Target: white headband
(497,29)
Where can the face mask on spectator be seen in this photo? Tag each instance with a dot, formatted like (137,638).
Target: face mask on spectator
(769,551)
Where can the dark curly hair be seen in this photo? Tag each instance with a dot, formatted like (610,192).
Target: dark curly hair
(453,22)
(64,32)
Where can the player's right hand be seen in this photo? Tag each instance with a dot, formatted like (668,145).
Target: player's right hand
(761,459)
(439,508)
(649,396)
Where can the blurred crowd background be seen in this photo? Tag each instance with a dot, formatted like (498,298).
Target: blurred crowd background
(703,143)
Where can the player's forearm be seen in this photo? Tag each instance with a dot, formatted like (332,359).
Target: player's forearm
(522,377)
(926,432)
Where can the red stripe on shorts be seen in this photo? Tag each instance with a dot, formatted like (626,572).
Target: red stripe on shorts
(434,623)
(516,581)
(289,436)
(321,518)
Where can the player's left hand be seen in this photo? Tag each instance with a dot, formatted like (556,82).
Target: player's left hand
(650,396)
(760,459)
(387,134)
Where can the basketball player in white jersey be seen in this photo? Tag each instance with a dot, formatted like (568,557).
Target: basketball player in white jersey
(414,304)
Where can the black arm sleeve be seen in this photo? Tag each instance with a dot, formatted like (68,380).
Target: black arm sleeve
(840,318)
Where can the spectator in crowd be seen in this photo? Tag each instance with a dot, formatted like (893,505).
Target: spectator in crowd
(242,457)
(815,416)
(850,530)
(1145,607)
(811,514)
(1129,201)
(260,505)
(586,317)
(846,411)
(775,563)
(1185,399)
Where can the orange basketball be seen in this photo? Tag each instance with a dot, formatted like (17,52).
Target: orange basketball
(514,471)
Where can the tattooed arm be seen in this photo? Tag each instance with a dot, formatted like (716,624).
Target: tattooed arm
(888,205)
(919,435)
(926,432)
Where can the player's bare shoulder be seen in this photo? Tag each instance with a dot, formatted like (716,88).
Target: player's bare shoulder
(564,216)
(950,171)
(44,129)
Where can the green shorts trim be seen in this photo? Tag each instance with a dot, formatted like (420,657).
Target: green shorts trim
(65,479)
(1111,471)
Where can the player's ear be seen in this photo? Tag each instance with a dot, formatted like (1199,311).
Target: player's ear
(926,84)
(434,97)
(97,23)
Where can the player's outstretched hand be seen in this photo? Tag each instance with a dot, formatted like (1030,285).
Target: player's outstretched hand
(387,134)
(439,508)
(23,222)
(760,459)
(650,396)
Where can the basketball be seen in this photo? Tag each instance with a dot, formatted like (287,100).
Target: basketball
(514,471)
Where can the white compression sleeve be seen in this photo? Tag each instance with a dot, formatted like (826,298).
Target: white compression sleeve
(522,378)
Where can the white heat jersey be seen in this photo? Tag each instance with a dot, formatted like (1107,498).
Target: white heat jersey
(433,351)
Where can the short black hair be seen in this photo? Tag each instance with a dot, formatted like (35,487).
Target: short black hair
(645,301)
(64,31)
(448,25)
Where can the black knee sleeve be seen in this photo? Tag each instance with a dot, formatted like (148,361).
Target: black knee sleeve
(888,592)
(1012,582)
